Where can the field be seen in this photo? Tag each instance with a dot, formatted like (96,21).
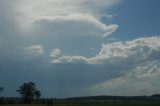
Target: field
(93,104)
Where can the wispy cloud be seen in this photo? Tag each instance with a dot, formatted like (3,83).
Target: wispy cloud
(34,50)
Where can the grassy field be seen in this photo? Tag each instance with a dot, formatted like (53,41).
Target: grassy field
(93,104)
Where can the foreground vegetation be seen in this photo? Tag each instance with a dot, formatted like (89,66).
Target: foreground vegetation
(92,104)
(153,100)
(110,104)
(30,96)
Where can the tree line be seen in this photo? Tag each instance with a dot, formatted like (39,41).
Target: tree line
(30,94)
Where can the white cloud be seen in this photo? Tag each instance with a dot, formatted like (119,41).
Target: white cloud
(34,50)
(69,59)
(136,60)
(37,8)
(84,15)
(56,57)
(55,53)
(138,50)
(142,80)
(111,16)
(74,24)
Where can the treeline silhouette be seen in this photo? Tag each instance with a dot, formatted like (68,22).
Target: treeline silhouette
(153,98)
(31,95)
(18,100)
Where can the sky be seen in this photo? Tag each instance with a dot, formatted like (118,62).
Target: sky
(80,48)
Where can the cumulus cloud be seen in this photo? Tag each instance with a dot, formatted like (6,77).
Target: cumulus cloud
(138,50)
(56,53)
(136,61)
(142,80)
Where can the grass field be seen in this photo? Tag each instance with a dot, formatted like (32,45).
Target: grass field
(93,104)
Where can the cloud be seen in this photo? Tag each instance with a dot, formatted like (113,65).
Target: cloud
(142,80)
(55,53)
(75,24)
(34,50)
(83,16)
(136,62)
(37,8)
(143,48)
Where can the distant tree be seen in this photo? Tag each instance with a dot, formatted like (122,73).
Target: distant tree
(28,92)
(156,95)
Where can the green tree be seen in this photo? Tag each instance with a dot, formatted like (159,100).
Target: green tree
(28,92)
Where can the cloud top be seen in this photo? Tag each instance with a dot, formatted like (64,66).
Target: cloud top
(139,50)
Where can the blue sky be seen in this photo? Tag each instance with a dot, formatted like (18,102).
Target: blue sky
(137,18)
(80,48)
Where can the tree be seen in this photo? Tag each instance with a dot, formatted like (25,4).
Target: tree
(37,94)
(28,92)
